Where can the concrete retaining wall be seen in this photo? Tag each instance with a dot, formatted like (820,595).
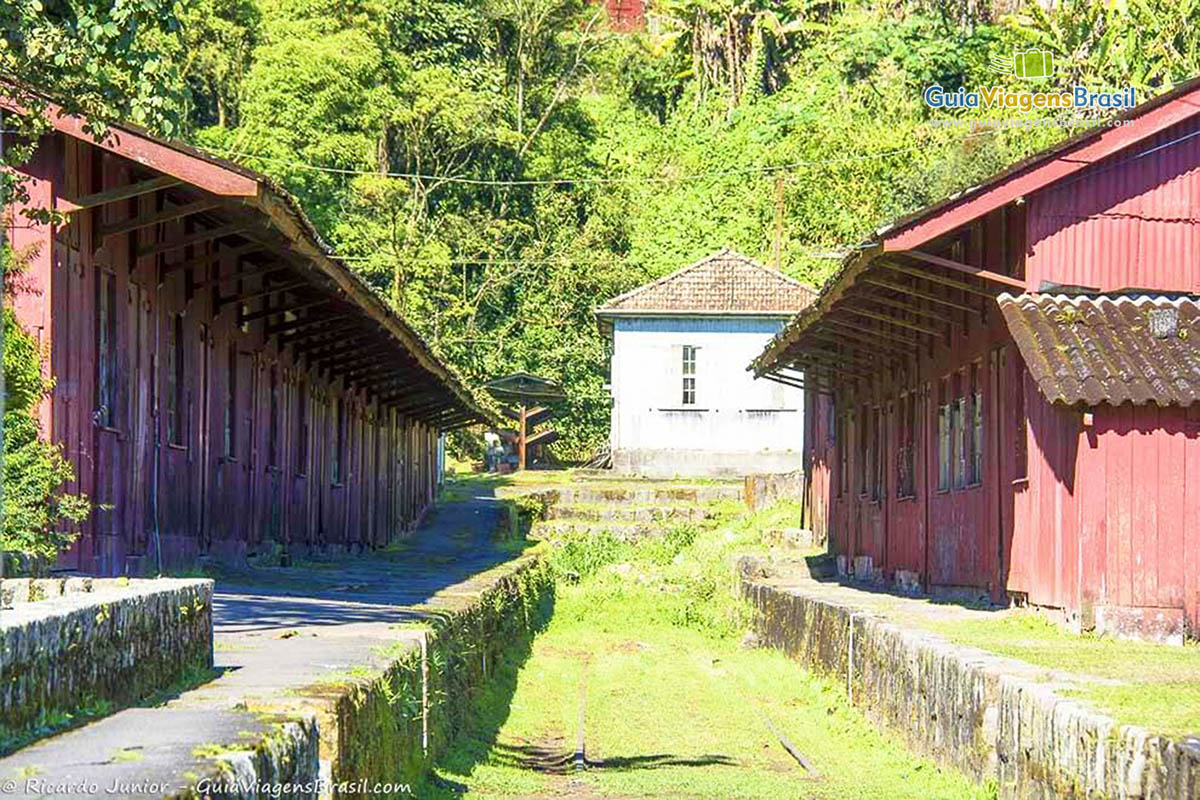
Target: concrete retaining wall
(357,737)
(71,643)
(765,490)
(968,709)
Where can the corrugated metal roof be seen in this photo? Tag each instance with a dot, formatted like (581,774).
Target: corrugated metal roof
(1108,349)
(722,283)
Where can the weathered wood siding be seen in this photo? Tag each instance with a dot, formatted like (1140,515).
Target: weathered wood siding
(170,487)
(1101,520)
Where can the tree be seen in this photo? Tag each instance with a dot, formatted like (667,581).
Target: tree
(95,58)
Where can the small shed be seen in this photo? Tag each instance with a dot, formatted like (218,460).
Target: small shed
(683,402)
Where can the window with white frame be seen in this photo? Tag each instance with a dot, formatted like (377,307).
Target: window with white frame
(689,375)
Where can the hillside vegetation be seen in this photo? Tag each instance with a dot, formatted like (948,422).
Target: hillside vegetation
(497,168)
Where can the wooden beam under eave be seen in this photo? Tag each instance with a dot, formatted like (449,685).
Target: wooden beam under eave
(211,258)
(930,296)
(874,342)
(343,349)
(287,327)
(841,323)
(158,217)
(242,297)
(199,237)
(912,326)
(902,306)
(117,194)
(314,331)
(270,312)
(819,346)
(857,348)
(966,269)
(808,359)
(926,275)
(243,275)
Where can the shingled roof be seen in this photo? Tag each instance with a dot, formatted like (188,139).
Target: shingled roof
(724,283)
(1108,349)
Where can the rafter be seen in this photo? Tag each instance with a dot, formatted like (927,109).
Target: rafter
(270,312)
(930,296)
(912,326)
(126,192)
(932,278)
(158,217)
(257,293)
(900,305)
(966,269)
(841,323)
(198,237)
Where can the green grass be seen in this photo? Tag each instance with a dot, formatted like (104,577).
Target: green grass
(1159,685)
(674,708)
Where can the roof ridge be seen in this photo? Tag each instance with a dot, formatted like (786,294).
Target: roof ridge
(726,254)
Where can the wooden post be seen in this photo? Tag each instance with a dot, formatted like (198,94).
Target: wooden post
(522,434)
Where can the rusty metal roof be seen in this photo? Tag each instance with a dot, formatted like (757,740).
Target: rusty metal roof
(1109,349)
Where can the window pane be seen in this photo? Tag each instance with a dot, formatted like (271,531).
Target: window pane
(689,372)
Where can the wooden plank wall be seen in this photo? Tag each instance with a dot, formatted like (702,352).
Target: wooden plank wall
(168,503)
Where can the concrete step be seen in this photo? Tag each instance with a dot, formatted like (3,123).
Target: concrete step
(789,538)
(624,513)
(660,494)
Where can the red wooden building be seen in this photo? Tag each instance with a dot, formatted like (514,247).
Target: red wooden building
(1002,385)
(224,387)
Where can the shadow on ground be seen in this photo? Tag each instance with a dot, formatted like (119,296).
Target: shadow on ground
(460,539)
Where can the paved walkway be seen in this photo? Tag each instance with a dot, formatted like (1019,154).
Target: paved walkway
(275,631)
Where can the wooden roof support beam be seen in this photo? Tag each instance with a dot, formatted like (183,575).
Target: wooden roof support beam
(158,217)
(854,347)
(341,331)
(473,420)
(126,192)
(424,411)
(872,343)
(967,269)
(304,323)
(373,356)
(939,279)
(867,331)
(812,379)
(796,384)
(912,326)
(808,359)
(359,344)
(211,258)
(440,400)
(249,273)
(254,295)
(199,237)
(270,312)
(902,306)
(852,358)
(930,296)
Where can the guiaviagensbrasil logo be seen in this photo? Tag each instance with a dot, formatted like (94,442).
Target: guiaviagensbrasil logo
(1028,64)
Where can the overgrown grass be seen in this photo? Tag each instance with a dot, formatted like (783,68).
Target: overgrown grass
(673,707)
(1159,685)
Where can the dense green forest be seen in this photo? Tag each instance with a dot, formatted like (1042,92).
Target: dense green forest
(497,168)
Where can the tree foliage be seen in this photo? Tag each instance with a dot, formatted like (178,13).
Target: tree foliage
(38,515)
(497,168)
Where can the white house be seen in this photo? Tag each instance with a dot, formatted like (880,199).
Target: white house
(683,401)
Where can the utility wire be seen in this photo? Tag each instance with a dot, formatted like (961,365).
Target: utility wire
(560,181)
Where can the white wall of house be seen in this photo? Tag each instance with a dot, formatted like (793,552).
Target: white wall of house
(735,425)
